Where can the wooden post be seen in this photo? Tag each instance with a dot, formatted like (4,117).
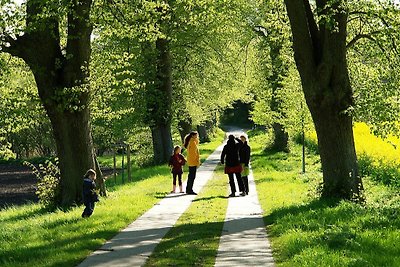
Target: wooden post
(303,140)
(123,167)
(115,165)
(128,159)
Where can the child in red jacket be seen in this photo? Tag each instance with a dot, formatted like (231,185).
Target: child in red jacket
(176,163)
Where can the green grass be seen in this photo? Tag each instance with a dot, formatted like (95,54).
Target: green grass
(33,236)
(306,231)
(194,240)
(107,161)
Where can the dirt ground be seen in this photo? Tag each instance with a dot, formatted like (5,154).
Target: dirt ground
(17,185)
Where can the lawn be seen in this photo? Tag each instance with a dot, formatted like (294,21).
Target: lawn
(194,239)
(33,236)
(306,231)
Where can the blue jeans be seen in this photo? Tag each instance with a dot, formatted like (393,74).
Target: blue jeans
(89,207)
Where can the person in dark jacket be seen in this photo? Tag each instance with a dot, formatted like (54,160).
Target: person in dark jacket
(89,194)
(230,156)
(176,163)
(244,158)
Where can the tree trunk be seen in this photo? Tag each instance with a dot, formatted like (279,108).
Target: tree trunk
(160,113)
(74,150)
(203,133)
(338,155)
(100,183)
(281,138)
(184,128)
(62,81)
(162,143)
(320,54)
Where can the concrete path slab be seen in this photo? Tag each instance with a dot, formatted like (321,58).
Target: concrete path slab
(133,245)
(244,239)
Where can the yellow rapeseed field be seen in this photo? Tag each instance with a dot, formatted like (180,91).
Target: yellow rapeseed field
(379,151)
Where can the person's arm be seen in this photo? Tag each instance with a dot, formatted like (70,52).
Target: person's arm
(223,155)
(248,156)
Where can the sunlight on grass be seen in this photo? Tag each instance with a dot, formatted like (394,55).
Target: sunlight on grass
(195,237)
(33,236)
(306,231)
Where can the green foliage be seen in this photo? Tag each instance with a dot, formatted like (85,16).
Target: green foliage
(278,98)
(373,39)
(48,188)
(379,170)
(24,127)
(305,231)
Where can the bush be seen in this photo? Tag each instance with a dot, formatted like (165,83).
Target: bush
(48,186)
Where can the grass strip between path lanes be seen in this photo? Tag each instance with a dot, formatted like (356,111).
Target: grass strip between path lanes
(194,239)
(32,236)
(306,231)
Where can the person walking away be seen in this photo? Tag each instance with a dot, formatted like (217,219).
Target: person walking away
(193,159)
(176,163)
(244,158)
(89,194)
(230,156)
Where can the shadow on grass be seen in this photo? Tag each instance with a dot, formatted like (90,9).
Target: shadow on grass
(32,254)
(368,235)
(209,198)
(23,216)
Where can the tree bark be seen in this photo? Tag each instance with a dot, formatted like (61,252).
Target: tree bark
(184,128)
(320,54)
(160,102)
(162,143)
(62,82)
(281,138)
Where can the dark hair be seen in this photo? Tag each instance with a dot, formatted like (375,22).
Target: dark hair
(188,137)
(175,149)
(231,140)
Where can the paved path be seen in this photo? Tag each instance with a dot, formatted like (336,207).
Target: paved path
(244,238)
(133,245)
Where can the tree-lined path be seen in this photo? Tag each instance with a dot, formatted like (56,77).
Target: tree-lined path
(244,230)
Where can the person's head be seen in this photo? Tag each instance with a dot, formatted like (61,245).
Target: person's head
(177,150)
(191,135)
(91,174)
(231,140)
(243,138)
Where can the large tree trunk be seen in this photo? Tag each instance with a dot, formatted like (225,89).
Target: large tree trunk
(160,104)
(74,150)
(320,54)
(338,156)
(62,82)
(162,143)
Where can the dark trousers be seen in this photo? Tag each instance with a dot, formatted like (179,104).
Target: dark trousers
(89,207)
(174,175)
(246,183)
(239,181)
(191,177)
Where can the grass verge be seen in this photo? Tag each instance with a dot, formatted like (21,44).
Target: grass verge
(306,231)
(194,239)
(33,236)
